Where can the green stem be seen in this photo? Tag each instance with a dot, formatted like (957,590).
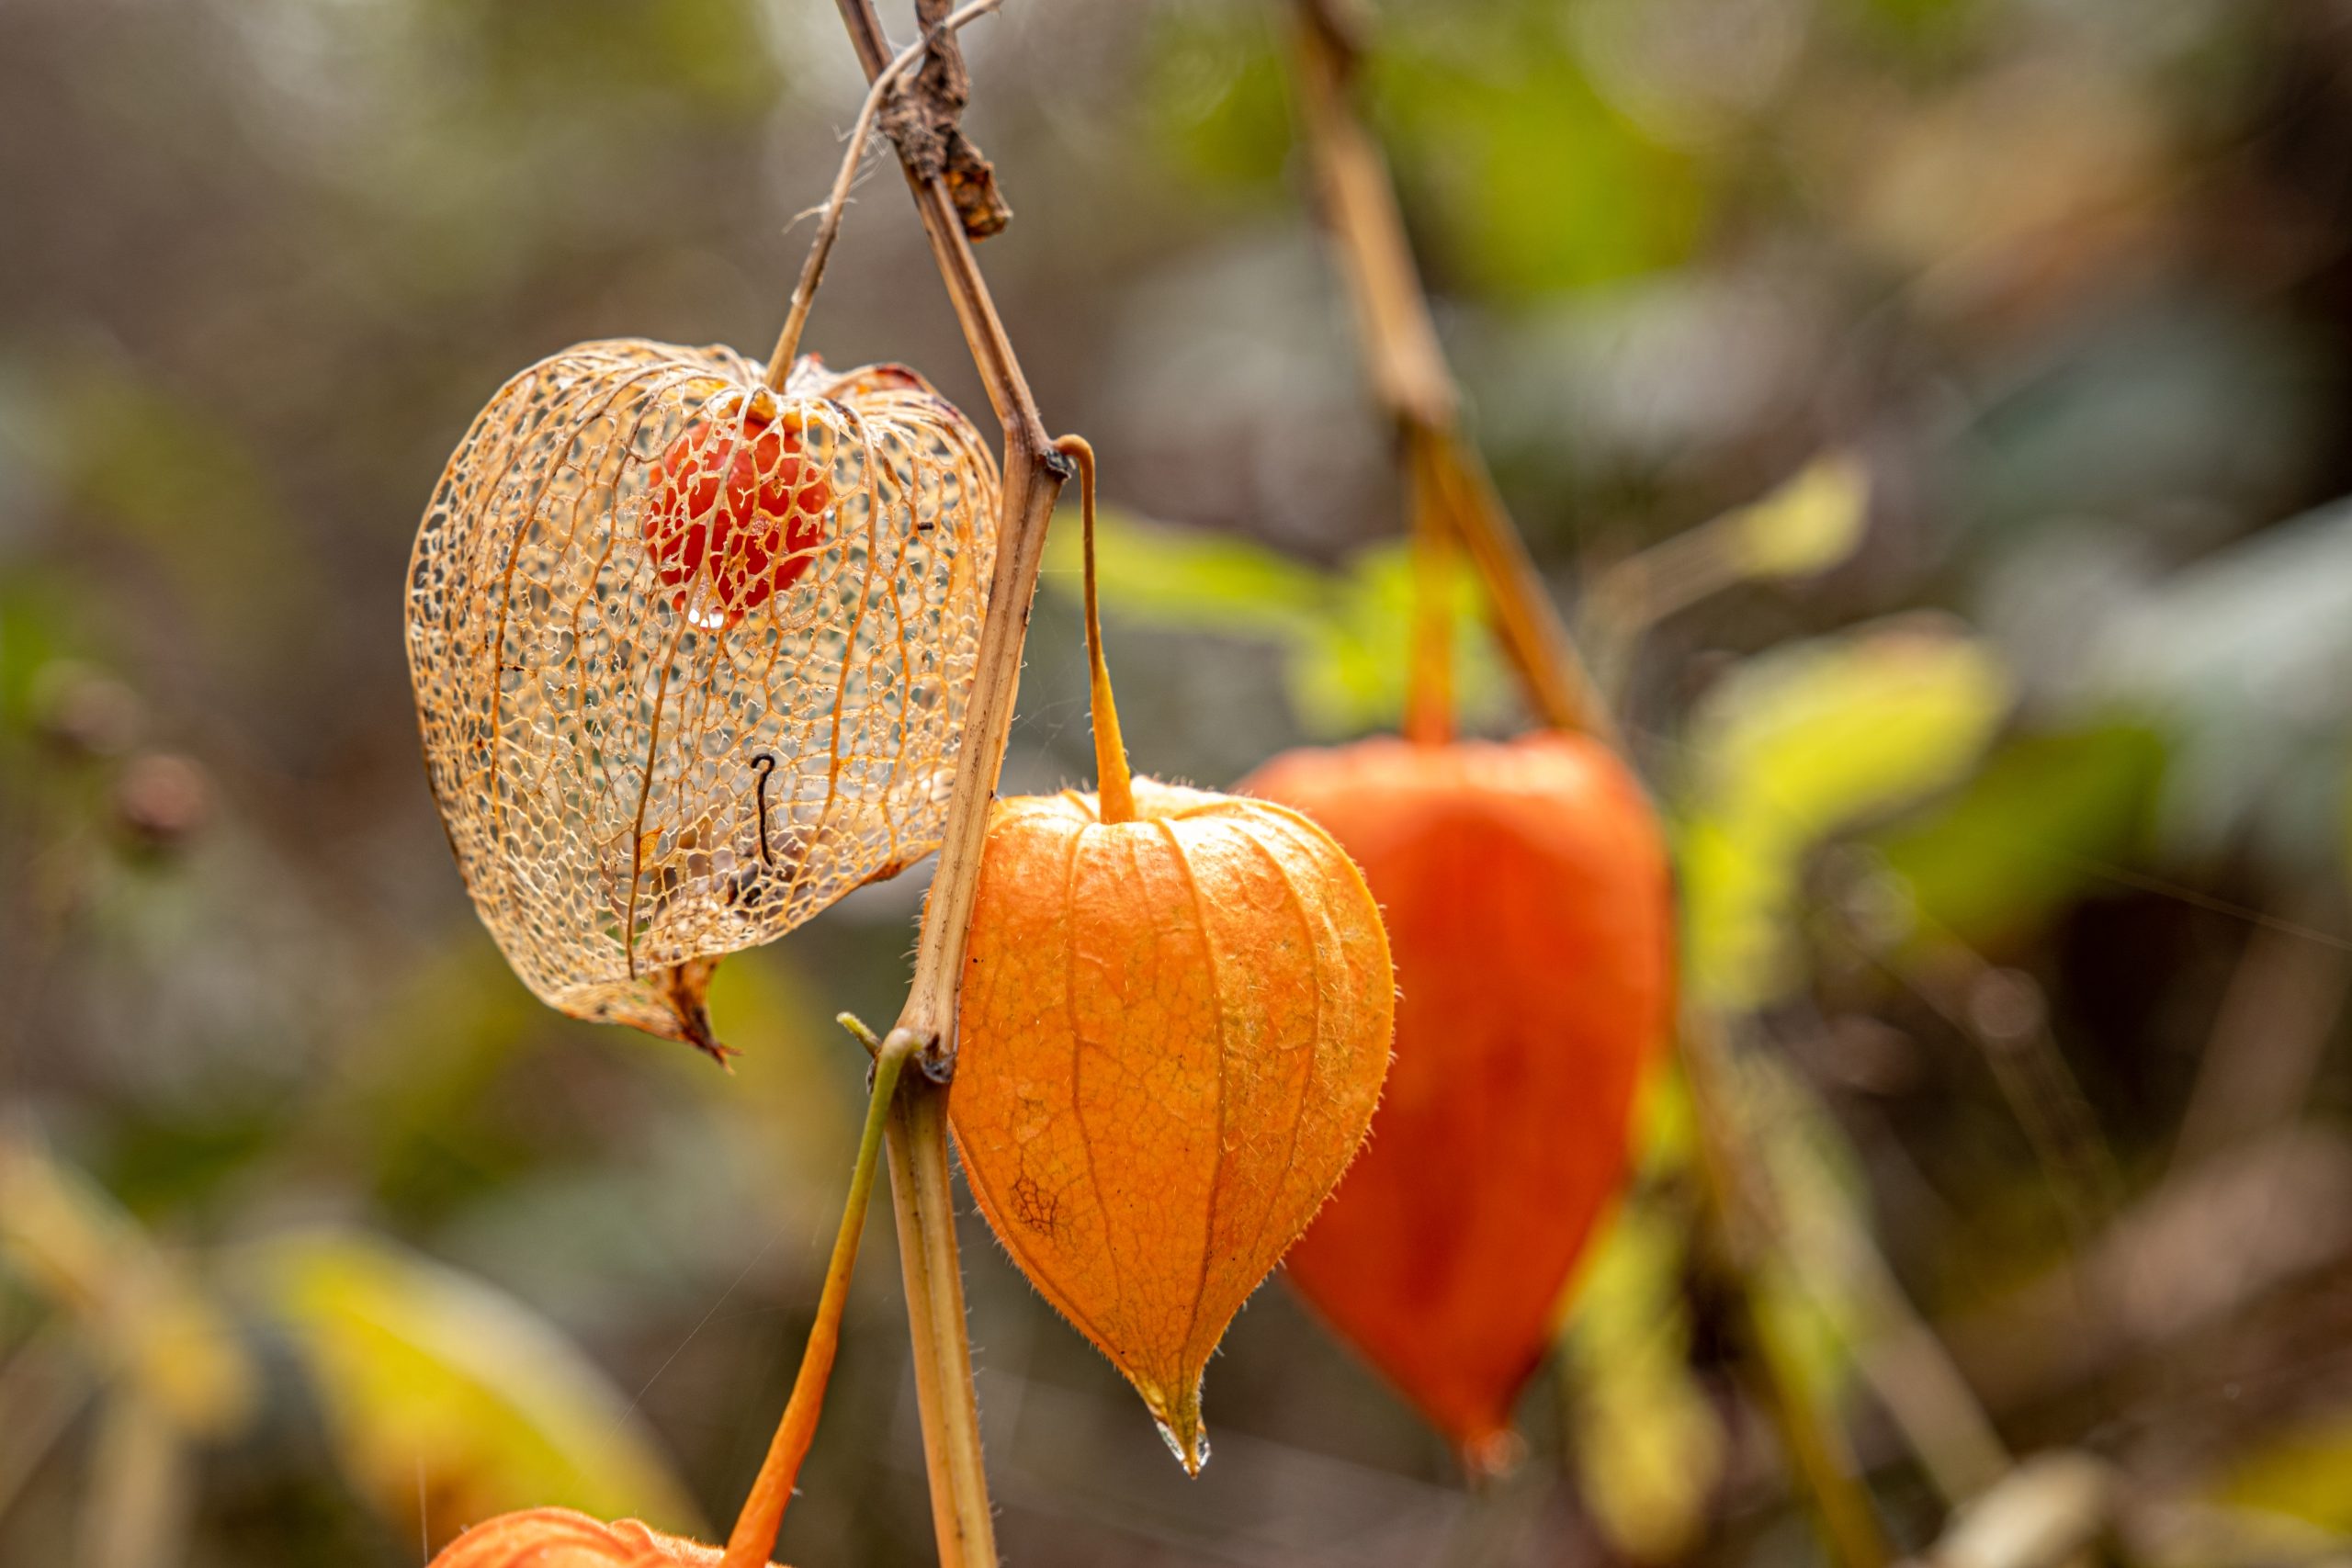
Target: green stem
(754,1538)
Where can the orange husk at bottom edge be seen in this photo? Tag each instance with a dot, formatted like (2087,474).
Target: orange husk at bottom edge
(563,1538)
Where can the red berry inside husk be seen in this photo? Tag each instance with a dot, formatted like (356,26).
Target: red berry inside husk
(735,516)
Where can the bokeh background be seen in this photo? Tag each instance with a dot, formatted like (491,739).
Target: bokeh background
(1934,412)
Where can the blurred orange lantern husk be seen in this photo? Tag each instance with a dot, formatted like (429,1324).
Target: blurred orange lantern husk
(1525,890)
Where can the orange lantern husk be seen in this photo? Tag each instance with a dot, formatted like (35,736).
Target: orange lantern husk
(1526,892)
(1175,1018)
(560,1537)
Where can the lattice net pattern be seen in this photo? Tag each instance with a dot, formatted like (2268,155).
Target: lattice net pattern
(691,659)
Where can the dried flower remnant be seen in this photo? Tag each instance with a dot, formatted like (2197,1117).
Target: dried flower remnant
(690,658)
(1175,1021)
(1525,888)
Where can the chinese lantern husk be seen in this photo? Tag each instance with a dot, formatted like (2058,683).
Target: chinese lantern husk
(1173,1032)
(1525,890)
(646,759)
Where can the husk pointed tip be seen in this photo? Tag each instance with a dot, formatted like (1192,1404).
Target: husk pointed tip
(1181,1428)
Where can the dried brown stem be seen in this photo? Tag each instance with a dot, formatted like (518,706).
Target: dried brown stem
(1412,381)
(940,168)
(1033,476)
(829,222)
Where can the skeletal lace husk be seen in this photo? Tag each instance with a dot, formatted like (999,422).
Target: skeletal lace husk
(638,773)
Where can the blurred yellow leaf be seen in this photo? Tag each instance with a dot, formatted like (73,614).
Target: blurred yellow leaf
(1735,889)
(436,1383)
(1809,525)
(1800,743)
(1818,735)
(2304,1472)
(141,1317)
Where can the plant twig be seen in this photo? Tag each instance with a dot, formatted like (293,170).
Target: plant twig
(753,1537)
(923,1199)
(2271,1034)
(1411,377)
(829,224)
(1033,476)
(136,1510)
(1428,688)
(1733,1204)
(1114,781)
(939,165)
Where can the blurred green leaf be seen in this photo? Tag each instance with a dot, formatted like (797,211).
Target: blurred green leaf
(1349,672)
(1817,736)
(1819,1192)
(1802,742)
(412,1113)
(33,634)
(1215,98)
(1930,17)
(706,56)
(1345,635)
(1189,578)
(436,1383)
(2031,831)
(1534,183)
(190,491)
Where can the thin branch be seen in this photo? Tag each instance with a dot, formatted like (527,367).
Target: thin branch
(1411,377)
(923,1201)
(754,1538)
(829,226)
(939,165)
